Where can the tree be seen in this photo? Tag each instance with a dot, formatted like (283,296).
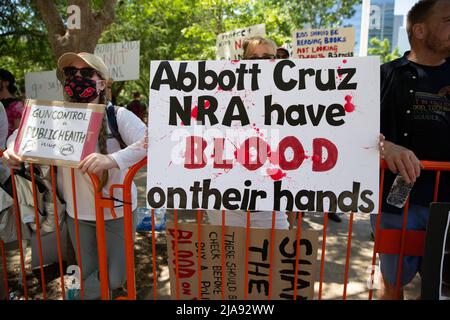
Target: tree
(24,45)
(382,48)
(320,14)
(63,39)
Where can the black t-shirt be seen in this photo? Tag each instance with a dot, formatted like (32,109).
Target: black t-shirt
(415,113)
(431,113)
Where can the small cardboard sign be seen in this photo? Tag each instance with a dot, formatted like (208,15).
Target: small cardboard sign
(230,44)
(324,43)
(57,132)
(43,85)
(121,58)
(271,263)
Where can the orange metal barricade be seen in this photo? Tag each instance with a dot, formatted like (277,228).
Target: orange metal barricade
(401,242)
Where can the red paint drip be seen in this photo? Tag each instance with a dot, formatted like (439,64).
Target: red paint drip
(276,173)
(194,112)
(349,106)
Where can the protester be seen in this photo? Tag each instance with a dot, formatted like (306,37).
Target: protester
(254,48)
(415,120)
(13,106)
(89,76)
(137,107)
(259,48)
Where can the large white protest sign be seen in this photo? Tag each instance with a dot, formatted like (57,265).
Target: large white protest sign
(281,135)
(121,58)
(230,44)
(324,43)
(43,85)
(57,132)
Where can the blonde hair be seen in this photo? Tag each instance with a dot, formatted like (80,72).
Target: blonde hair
(255,41)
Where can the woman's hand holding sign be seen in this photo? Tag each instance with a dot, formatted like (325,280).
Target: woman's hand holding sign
(11,159)
(96,163)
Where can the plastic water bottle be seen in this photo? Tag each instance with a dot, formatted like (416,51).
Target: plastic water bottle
(160,219)
(144,219)
(399,192)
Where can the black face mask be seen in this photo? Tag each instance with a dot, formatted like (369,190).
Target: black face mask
(81,89)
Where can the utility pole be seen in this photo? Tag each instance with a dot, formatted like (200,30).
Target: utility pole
(364,39)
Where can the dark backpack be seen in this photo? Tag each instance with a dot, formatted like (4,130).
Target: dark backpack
(111,115)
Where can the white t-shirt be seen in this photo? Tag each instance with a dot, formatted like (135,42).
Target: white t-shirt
(260,219)
(133,132)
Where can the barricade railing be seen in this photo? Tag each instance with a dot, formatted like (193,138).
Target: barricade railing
(401,242)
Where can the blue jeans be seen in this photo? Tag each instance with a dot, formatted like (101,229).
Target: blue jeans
(417,220)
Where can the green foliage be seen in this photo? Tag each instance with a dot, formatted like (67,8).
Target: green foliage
(382,48)
(167,30)
(24,45)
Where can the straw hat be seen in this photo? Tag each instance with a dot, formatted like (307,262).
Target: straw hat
(92,60)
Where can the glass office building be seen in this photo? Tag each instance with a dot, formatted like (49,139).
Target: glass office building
(383,24)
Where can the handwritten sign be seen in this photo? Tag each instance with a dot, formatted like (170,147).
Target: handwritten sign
(283,135)
(43,85)
(230,44)
(229,274)
(57,132)
(324,43)
(121,58)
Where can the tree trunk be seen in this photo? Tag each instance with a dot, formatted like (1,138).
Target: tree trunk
(84,39)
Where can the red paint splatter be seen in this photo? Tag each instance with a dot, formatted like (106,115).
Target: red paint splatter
(275,173)
(207,104)
(274,158)
(344,61)
(182,123)
(234,61)
(194,112)
(349,106)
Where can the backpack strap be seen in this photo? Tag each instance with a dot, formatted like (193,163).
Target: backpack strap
(113,126)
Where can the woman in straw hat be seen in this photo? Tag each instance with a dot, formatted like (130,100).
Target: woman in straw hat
(87,81)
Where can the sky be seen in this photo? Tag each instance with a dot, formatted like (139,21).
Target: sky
(402,6)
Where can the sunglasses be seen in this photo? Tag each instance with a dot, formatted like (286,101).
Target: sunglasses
(85,72)
(266,56)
